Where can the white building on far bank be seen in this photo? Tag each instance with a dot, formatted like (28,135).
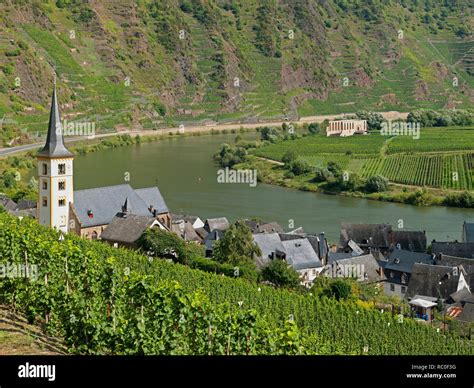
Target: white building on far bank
(345,128)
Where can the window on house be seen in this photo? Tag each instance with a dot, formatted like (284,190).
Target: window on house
(45,201)
(62,220)
(404,289)
(62,168)
(62,185)
(392,275)
(45,169)
(62,202)
(45,185)
(392,287)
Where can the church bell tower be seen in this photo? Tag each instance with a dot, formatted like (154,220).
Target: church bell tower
(55,175)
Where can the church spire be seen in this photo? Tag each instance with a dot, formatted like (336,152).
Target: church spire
(54,146)
(125,208)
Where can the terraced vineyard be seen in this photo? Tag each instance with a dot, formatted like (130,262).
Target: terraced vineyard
(440,158)
(451,171)
(434,140)
(314,146)
(103,300)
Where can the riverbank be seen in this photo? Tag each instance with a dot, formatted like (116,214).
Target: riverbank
(14,169)
(187,176)
(274,173)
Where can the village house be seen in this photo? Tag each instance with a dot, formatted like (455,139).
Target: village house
(125,229)
(8,204)
(461,306)
(371,238)
(185,230)
(379,239)
(85,212)
(263,227)
(195,221)
(220,223)
(455,248)
(466,264)
(364,268)
(436,281)
(318,242)
(210,240)
(344,128)
(398,268)
(409,240)
(24,208)
(298,253)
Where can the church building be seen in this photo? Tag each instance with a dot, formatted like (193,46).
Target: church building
(85,212)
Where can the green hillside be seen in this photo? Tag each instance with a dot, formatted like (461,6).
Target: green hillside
(151,63)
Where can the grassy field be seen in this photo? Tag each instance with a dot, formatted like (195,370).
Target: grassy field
(440,158)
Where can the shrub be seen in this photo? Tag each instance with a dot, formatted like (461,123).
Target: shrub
(339,289)
(228,155)
(289,157)
(299,166)
(279,273)
(322,174)
(376,184)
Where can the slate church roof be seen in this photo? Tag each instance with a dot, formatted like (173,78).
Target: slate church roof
(54,147)
(100,205)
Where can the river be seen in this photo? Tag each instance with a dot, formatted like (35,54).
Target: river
(186,174)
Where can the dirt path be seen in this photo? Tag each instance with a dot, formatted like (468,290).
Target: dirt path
(18,337)
(271,161)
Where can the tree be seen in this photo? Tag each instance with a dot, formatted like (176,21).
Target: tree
(236,246)
(339,289)
(376,184)
(464,199)
(33,183)
(164,244)
(281,274)
(228,156)
(348,182)
(9,179)
(322,174)
(334,168)
(314,128)
(270,134)
(374,120)
(289,157)
(462,31)
(299,166)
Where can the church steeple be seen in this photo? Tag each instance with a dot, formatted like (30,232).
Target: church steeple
(55,176)
(54,146)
